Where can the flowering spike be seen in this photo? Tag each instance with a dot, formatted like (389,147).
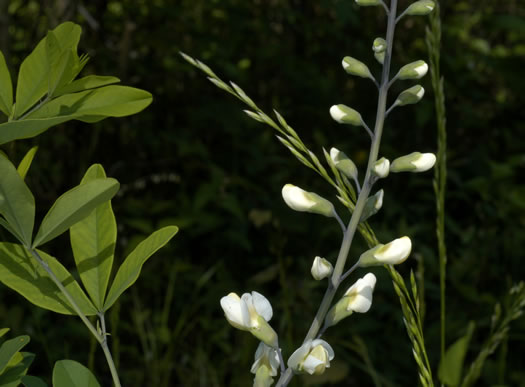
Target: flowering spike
(300,200)
(392,253)
(414,70)
(346,115)
(413,162)
(355,67)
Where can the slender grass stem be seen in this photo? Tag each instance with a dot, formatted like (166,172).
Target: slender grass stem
(101,338)
(335,281)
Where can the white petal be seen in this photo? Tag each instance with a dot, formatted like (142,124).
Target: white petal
(262,306)
(424,162)
(231,304)
(299,355)
(296,198)
(394,252)
(421,70)
(337,114)
(274,361)
(247,310)
(311,363)
(326,346)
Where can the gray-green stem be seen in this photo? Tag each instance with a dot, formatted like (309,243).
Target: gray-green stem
(101,338)
(348,237)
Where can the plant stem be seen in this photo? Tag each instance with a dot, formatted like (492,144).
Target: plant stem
(100,338)
(433,40)
(363,195)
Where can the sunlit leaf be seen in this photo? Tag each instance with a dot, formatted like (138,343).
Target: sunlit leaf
(130,269)
(93,242)
(22,273)
(9,348)
(6,88)
(24,165)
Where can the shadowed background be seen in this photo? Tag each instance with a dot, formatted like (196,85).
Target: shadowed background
(193,158)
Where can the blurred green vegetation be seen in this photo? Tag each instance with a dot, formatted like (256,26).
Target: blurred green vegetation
(194,159)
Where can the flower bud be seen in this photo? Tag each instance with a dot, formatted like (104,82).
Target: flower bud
(422,7)
(355,67)
(379,45)
(300,200)
(358,298)
(251,312)
(313,357)
(392,253)
(410,96)
(414,162)
(365,3)
(346,115)
(321,268)
(380,57)
(372,206)
(266,356)
(414,70)
(381,168)
(343,163)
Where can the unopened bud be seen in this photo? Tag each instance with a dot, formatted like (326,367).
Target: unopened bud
(380,57)
(321,268)
(410,96)
(422,7)
(392,253)
(300,200)
(413,162)
(343,163)
(365,3)
(414,70)
(372,206)
(355,67)
(346,115)
(379,45)
(381,168)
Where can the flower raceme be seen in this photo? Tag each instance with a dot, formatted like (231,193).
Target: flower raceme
(358,298)
(313,357)
(251,312)
(392,253)
(300,200)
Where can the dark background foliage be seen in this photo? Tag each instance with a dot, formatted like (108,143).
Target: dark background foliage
(194,159)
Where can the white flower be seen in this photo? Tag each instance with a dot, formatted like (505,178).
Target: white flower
(300,200)
(392,253)
(381,168)
(358,298)
(413,162)
(251,312)
(321,268)
(313,357)
(266,356)
(343,163)
(346,115)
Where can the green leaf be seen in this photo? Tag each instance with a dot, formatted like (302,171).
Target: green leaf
(22,273)
(451,366)
(93,242)
(130,269)
(33,77)
(12,377)
(17,203)
(9,348)
(107,101)
(3,331)
(24,165)
(69,373)
(16,130)
(73,206)
(33,381)
(6,88)
(86,83)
